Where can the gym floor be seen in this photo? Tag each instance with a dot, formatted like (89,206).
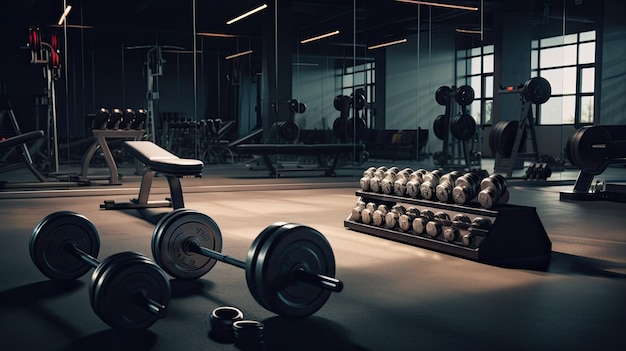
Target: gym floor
(396,296)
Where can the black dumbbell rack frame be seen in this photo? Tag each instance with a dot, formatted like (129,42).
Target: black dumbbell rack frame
(516,238)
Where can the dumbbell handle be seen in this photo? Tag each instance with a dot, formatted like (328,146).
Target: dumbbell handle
(141,299)
(318,280)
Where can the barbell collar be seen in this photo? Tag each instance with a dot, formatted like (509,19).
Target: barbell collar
(152,306)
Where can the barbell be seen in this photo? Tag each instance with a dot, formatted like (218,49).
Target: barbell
(288,268)
(127,290)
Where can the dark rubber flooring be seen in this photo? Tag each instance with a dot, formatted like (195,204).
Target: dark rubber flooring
(396,296)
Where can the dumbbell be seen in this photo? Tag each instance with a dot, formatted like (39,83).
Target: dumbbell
(435,226)
(399,186)
(379,174)
(443,191)
(140,119)
(127,120)
(367,213)
(386,182)
(101,119)
(493,189)
(392,217)
(429,184)
(466,188)
(378,216)
(415,180)
(127,290)
(289,267)
(357,210)
(478,224)
(459,221)
(406,219)
(114,120)
(419,224)
(364,182)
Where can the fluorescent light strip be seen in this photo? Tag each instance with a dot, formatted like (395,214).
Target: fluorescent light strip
(238,54)
(319,37)
(217,35)
(468,31)
(378,46)
(262,7)
(437,4)
(65,13)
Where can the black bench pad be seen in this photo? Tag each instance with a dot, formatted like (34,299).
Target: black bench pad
(163,161)
(22,138)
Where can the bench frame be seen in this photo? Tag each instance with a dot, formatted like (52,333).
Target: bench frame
(163,162)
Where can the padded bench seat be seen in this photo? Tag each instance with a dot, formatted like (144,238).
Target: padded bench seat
(158,160)
(163,161)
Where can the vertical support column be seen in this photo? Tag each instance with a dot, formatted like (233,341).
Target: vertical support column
(512,61)
(277,59)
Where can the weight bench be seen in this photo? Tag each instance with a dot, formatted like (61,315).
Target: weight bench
(158,160)
(317,150)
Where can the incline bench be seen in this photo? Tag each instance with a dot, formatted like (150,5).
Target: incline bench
(317,150)
(158,160)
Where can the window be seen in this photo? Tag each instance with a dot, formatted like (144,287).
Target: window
(475,68)
(568,63)
(359,77)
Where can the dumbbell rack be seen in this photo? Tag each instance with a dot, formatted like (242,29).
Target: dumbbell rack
(516,238)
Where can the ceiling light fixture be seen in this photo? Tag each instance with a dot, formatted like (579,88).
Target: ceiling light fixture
(217,35)
(262,7)
(243,53)
(65,13)
(468,31)
(438,4)
(395,42)
(304,41)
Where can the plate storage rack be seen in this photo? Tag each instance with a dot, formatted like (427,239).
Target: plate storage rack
(510,236)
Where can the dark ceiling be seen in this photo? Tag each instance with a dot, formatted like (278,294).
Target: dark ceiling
(373,21)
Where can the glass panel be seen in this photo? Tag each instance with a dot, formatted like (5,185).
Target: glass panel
(587,53)
(591,35)
(558,56)
(488,49)
(488,110)
(570,39)
(558,110)
(488,64)
(489,87)
(474,110)
(586,109)
(534,59)
(475,65)
(476,83)
(587,78)
(562,80)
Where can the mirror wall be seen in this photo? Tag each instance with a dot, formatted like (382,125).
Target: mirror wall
(327,72)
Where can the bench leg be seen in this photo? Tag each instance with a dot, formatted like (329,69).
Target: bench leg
(176,192)
(144,193)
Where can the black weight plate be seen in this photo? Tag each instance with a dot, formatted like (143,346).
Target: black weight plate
(338,102)
(289,248)
(289,131)
(118,293)
(171,235)
(506,138)
(356,129)
(301,107)
(439,128)
(592,147)
(293,105)
(493,135)
(464,95)
(537,90)
(442,95)
(357,101)
(103,267)
(253,255)
(463,127)
(48,242)
(339,128)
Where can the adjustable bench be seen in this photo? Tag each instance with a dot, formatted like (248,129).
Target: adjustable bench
(158,160)
(317,150)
